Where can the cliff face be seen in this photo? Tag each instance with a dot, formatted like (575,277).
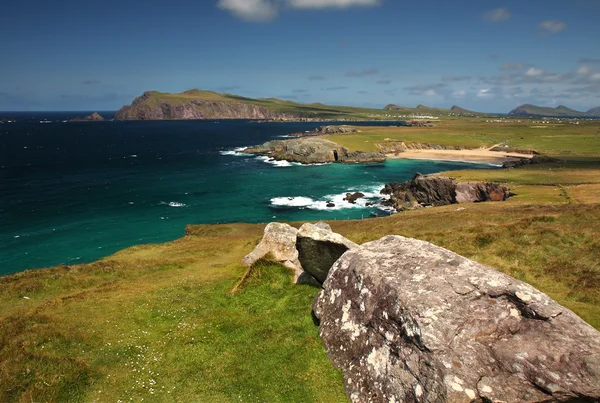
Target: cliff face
(432,190)
(396,147)
(151,107)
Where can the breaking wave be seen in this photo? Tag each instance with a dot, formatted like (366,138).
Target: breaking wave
(372,200)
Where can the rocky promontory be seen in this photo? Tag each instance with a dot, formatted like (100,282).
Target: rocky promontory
(193,104)
(94,117)
(433,190)
(313,150)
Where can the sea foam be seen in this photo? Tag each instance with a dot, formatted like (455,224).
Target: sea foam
(237,152)
(371,193)
(173,204)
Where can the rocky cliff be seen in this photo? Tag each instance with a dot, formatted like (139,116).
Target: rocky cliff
(397,147)
(313,150)
(431,190)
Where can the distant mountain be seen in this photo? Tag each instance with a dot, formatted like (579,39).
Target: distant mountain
(420,109)
(559,111)
(462,111)
(392,107)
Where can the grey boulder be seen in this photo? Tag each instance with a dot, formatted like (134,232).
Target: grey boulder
(323,225)
(319,248)
(407,321)
(280,241)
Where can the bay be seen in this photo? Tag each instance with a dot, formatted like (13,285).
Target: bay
(73,192)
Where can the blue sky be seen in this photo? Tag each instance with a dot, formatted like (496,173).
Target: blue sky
(481,55)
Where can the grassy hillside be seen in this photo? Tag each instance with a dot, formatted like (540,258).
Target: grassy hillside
(559,139)
(534,110)
(315,110)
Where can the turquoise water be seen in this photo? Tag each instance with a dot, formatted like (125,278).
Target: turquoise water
(75,192)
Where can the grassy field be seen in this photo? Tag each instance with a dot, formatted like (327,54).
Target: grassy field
(158,322)
(552,139)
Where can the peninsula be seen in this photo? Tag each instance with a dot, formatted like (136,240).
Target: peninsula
(197,104)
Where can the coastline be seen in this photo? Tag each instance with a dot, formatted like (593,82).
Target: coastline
(481,155)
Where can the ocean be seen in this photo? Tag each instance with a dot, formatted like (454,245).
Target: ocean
(73,192)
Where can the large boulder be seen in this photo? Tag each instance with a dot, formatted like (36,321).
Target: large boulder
(319,248)
(279,240)
(408,321)
(480,192)
(422,190)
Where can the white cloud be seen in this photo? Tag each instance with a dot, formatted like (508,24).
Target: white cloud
(533,72)
(497,15)
(553,26)
(430,93)
(484,93)
(265,10)
(595,77)
(332,3)
(250,10)
(583,70)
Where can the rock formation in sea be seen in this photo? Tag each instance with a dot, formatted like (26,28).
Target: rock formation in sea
(94,117)
(312,150)
(353,197)
(432,190)
(407,321)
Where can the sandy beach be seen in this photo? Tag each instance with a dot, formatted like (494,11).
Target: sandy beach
(482,155)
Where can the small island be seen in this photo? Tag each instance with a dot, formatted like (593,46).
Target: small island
(94,117)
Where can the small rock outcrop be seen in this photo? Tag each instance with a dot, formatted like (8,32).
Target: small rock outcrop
(336,130)
(94,117)
(480,192)
(319,248)
(536,159)
(407,321)
(353,197)
(432,190)
(312,150)
(279,240)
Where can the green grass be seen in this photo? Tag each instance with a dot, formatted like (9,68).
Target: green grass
(562,140)
(164,328)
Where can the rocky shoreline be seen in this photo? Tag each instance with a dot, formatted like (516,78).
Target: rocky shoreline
(313,150)
(433,190)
